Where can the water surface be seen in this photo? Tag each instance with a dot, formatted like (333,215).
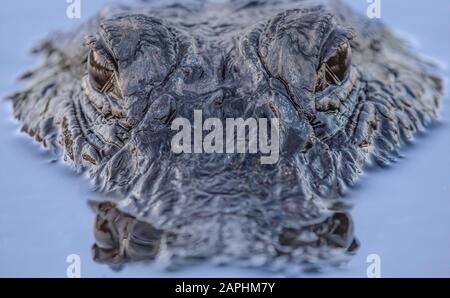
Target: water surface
(402,213)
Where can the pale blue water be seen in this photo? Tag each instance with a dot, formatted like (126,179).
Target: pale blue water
(401,214)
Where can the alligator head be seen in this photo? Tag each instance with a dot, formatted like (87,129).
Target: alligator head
(344,90)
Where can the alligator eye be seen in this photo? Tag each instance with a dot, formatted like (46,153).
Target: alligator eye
(101,74)
(101,67)
(334,70)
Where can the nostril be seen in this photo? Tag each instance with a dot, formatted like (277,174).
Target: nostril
(143,241)
(103,233)
(336,231)
(341,233)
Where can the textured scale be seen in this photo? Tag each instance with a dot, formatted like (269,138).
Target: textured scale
(229,59)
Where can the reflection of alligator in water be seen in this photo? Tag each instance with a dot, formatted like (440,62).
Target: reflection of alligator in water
(343,87)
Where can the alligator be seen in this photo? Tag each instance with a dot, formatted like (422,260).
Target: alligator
(348,93)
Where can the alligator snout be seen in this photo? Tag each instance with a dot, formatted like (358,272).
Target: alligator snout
(223,236)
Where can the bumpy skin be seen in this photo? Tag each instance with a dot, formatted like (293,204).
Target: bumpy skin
(260,59)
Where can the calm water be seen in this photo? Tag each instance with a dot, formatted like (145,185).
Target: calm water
(401,214)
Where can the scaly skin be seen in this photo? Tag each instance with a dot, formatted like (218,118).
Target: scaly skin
(106,94)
